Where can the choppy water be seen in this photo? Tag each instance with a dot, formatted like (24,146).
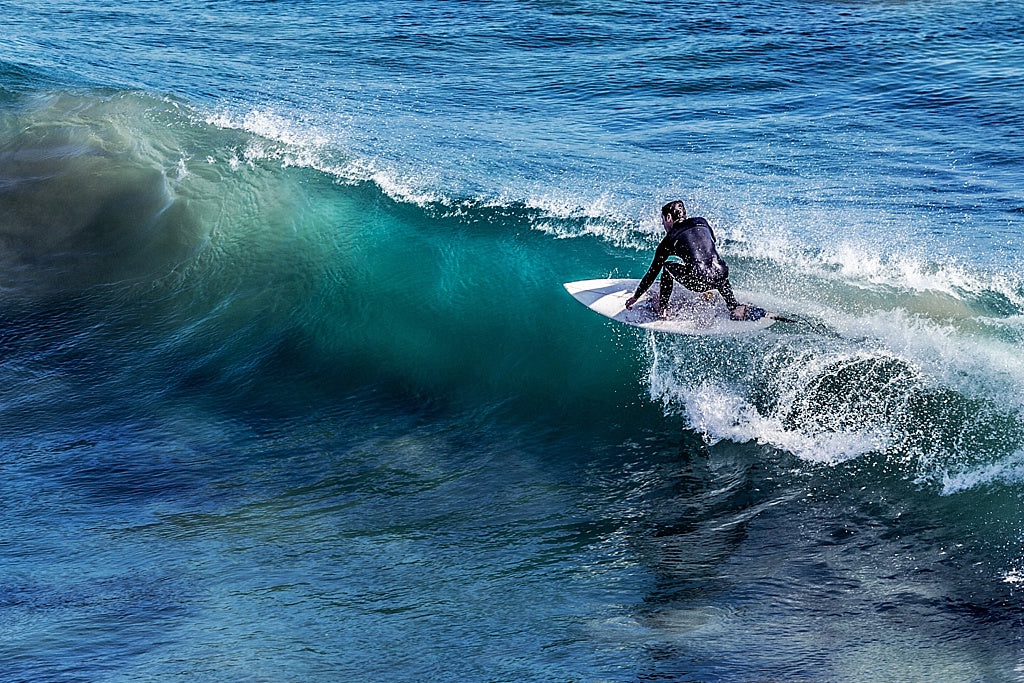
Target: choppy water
(291,389)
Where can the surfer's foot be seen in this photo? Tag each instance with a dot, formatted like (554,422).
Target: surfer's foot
(738,313)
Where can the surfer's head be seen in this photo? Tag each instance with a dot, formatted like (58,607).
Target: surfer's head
(673,212)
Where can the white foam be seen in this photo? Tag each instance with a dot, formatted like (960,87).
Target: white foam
(720,409)
(1007,471)
(607,231)
(947,354)
(850,262)
(270,125)
(861,264)
(297,144)
(721,414)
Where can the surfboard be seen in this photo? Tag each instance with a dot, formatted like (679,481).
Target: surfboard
(688,312)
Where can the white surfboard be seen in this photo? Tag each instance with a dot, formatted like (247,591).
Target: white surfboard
(688,312)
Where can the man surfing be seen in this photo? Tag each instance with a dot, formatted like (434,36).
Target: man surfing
(700,269)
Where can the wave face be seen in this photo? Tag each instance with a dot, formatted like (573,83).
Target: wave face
(291,388)
(217,251)
(212,242)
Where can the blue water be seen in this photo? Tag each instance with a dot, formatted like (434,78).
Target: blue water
(290,389)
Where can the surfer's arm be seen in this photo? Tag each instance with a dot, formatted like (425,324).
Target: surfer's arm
(661,255)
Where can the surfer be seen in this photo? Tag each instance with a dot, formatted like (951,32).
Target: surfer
(701,269)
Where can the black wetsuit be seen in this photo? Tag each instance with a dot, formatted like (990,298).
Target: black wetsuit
(700,269)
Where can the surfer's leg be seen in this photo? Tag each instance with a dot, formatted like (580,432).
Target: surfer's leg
(687,277)
(666,288)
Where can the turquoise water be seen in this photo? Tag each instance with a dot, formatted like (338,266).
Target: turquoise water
(292,390)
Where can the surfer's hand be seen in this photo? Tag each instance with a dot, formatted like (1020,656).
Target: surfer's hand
(631,301)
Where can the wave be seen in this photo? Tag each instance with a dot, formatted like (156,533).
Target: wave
(221,250)
(219,258)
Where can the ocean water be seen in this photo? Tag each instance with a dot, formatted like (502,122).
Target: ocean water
(290,389)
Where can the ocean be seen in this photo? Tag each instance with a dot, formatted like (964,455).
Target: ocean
(290,389)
